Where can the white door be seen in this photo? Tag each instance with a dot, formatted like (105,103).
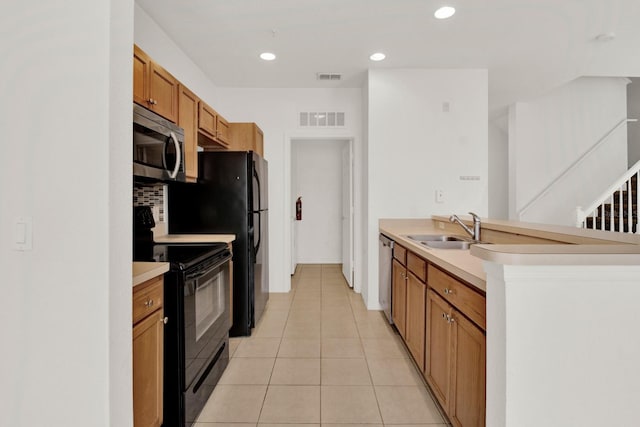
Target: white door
(347,212)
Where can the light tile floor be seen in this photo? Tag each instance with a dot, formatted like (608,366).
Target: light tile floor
(318,356)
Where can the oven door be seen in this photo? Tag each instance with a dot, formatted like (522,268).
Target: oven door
(206,316)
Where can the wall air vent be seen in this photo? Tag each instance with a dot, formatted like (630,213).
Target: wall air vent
(330,119)
(328,76)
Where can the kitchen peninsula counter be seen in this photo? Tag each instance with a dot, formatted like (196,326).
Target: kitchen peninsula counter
(561,317)
(513,242)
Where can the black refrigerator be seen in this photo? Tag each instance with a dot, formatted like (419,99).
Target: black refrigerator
(230,197)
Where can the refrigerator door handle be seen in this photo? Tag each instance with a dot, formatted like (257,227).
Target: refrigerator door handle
(259,233)
(257,178)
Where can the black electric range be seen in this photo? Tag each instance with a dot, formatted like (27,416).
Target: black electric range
(196,337)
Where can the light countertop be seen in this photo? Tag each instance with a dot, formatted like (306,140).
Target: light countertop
(615,248)
(458,262)
(143,271)
(559,254)
(160,235)
(195,238)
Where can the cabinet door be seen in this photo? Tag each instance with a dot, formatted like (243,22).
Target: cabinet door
(222,131)
(438,356)
(399,296)
(259,141)
(207,118)
(188,120)
(468,372)
(147,371)
(163,91)
(415,327)
(141,73)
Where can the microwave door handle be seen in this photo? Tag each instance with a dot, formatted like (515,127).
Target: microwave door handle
(174,138)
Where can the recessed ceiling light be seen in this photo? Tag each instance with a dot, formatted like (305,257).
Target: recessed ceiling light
(268,56)
(377,56)
(444,12)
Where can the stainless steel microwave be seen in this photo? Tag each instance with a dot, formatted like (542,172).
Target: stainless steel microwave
(158,147)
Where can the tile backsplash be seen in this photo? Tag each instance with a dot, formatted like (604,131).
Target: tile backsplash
(150,195)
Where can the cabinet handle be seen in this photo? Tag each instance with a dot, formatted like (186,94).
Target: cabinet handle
(448,291)
(451,319)
(164,320)
(148,303)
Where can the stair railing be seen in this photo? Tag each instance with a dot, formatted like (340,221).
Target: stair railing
(615,196)
(574,165)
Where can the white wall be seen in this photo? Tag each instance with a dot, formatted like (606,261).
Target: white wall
(276,112)
(317,178)
(65,111)
(414,148)
(162,49)
(498,167)
(550,132)
(633,112)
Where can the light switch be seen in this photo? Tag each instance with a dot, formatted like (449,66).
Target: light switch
(439,196)
(23,234)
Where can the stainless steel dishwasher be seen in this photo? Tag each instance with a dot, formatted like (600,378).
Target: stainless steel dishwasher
(385,254)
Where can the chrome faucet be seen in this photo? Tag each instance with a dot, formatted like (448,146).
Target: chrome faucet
(475,233)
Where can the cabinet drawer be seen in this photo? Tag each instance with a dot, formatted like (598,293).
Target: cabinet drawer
(417,266)
(400,254)
(147,298)
(467,301)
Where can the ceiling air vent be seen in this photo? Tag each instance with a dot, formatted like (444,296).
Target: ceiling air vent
(321,119)
(328,76)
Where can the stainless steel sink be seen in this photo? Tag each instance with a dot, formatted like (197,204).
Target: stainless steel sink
(451,244)
(441,241)
(423,238)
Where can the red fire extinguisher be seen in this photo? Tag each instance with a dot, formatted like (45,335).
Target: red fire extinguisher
(299,209)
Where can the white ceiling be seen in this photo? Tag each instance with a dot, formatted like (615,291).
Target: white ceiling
(528,46)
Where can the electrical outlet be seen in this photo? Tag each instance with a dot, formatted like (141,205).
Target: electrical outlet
(439,196)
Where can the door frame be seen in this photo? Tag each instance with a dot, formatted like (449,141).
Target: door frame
(289,208)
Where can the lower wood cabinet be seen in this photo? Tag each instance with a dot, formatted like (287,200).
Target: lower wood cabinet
(442,321)
(415,332)
(399,296)
(468,371)
(455,362)
(437,368)
(148,332)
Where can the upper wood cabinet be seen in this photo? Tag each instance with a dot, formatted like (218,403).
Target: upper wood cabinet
(188,120)
(153,86)
(148,332)
(213,127)
(246,137)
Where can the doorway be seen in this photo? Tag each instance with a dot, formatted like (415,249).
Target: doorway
(322,186)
